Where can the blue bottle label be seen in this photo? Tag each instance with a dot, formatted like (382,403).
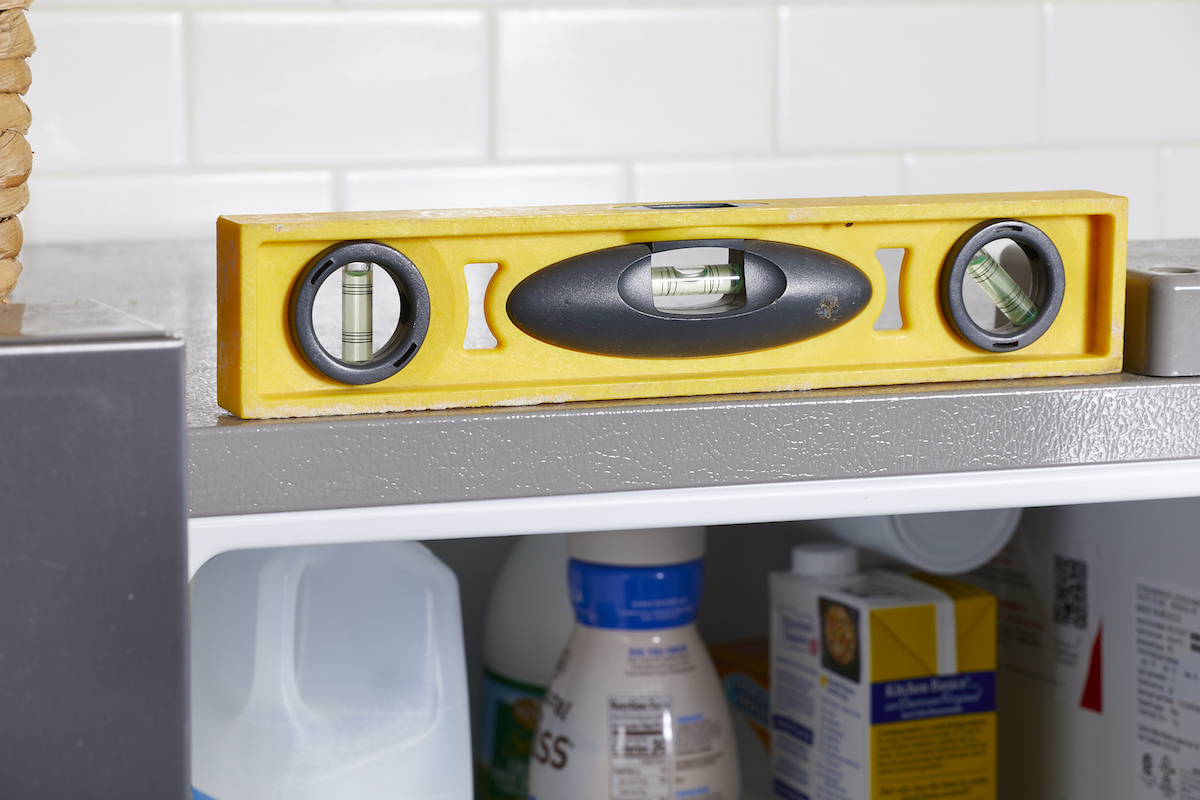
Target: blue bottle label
(635,598)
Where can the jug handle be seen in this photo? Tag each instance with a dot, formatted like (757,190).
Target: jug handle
(275,654)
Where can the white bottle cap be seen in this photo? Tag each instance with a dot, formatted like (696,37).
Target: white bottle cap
(945,543)
(650,547)
(824,560)
(952,542)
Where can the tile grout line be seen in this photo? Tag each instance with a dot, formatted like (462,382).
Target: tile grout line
(1045,12)
(187,78)
(1160,190)
(776,78)
(492,88)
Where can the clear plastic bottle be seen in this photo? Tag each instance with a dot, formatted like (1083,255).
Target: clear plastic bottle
(635,710)
(327,672)
(528,622)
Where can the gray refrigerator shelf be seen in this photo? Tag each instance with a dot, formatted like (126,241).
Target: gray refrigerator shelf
(246,467)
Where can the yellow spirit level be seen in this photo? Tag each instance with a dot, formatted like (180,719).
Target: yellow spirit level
(660,300)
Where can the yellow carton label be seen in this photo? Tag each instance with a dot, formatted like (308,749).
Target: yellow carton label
(904,643)
(939,759)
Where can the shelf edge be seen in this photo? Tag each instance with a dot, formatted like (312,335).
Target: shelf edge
(717,505)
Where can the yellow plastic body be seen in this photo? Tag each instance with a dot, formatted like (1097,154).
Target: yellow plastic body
(262,374)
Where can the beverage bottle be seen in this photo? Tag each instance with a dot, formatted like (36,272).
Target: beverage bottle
(635,710)
(528,622)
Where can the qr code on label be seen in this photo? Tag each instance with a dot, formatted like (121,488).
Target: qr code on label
(1070,592)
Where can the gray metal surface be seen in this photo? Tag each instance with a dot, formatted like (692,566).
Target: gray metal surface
(238,466)
(93,675)
(432,457)
(1162,311)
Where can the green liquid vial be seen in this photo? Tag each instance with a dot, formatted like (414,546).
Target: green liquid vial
(1002,289)
(357,314)
(700,280)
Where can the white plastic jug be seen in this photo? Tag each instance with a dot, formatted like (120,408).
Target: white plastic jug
(329,672)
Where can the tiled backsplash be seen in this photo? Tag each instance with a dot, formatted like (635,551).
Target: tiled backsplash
(151,117)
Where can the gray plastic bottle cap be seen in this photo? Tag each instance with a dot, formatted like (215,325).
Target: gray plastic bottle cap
(824,560)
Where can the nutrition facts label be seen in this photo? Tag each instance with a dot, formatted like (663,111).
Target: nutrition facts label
(1167,690)
(641,763)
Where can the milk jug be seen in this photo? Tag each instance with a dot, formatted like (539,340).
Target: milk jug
(328,672)
(635,710)
(529,619)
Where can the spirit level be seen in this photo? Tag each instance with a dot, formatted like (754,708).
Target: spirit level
(606,302)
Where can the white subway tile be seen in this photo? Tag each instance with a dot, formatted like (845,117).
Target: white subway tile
(416,3)
(539,4)
(922,76)
(1130,172)
(484,187)
(632,82)
(174,5)
(108,90)
(1181,193)
(160,207)
(839,176)
(346,87)
(1124,72)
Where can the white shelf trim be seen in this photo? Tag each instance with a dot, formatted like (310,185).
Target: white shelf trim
(718,505)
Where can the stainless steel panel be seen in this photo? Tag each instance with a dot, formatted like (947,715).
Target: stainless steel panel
(93,582)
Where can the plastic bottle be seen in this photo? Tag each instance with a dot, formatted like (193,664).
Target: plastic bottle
(327,672)
(528,622)
(635,710)
(944,543)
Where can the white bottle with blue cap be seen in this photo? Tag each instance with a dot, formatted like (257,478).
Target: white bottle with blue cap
(635,710)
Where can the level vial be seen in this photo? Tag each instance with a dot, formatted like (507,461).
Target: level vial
(358,346)
(698,280)
(1002,289)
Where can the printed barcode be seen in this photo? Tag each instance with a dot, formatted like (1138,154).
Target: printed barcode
(1070,592)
